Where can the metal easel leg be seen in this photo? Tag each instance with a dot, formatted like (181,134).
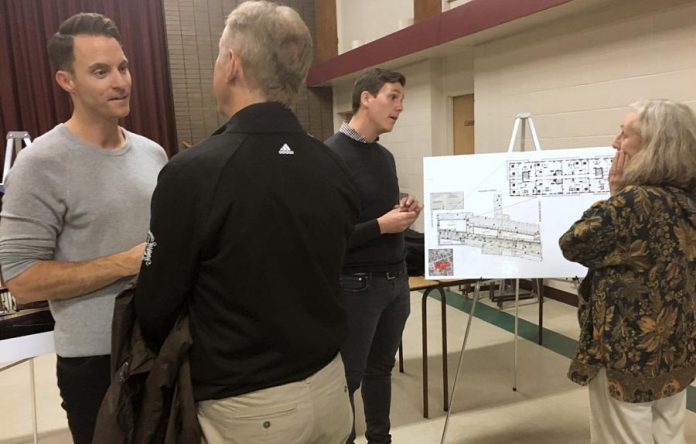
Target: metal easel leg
(527,118)
(14,140)
(540,294)
(520,120)
(9,147)
(33,401)
(461,358)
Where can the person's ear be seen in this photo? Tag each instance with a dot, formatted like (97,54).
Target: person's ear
(365,97)
(233,69)
(65,80)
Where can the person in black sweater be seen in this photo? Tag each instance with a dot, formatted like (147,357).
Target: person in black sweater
(374,280)
(248,233)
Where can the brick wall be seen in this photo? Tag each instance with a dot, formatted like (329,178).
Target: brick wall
(193,31)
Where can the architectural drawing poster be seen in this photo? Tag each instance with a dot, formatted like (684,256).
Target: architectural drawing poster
(500,215)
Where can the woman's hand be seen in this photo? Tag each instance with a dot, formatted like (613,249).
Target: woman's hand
(616,179)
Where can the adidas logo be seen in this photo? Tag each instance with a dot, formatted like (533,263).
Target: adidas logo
(285,149)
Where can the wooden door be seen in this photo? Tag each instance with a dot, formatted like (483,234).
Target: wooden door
(463,124)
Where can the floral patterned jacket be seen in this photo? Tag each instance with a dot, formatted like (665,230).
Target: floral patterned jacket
(638,302)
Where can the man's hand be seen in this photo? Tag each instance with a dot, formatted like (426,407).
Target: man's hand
(401,216)
(130,260)
(409,203)
(616,179)
(396,221)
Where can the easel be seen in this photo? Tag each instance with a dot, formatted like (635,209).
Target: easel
(14,140)
(520,120)
(12,148)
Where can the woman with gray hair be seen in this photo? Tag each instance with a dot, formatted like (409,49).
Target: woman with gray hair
(637,346)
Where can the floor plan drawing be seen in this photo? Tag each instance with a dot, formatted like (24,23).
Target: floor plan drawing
(447,201)
(500,215)
(497,234)
(559,177)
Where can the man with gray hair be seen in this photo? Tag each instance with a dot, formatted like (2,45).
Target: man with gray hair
(255,255)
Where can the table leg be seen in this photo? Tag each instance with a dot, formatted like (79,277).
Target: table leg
(401,356)
(443,318)
(517,320)
(425,351)
(540,293)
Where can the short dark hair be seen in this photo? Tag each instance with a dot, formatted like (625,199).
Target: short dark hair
(60,45)
(372,81)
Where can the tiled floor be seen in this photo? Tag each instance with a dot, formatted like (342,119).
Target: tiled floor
(546,408)
(15,404)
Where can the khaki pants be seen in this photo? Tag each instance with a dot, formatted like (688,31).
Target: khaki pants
(314,410)
(613,421)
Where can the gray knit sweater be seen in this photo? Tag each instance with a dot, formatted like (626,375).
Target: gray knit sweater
(66,200)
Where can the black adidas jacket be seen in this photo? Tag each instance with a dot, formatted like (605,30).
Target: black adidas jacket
(251,227)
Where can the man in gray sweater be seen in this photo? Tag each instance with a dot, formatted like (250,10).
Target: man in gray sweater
(76,211)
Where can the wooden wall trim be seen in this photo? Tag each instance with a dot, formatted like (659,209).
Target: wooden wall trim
(423,9)
(467,19)
(326,40)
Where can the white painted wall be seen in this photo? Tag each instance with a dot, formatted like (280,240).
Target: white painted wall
(368,20)
(577,76)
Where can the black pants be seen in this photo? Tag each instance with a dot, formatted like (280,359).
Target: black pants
(377,309)
(83,382)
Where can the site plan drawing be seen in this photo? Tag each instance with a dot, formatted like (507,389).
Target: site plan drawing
(500,215)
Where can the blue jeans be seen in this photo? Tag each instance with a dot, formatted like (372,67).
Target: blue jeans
(377,307)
